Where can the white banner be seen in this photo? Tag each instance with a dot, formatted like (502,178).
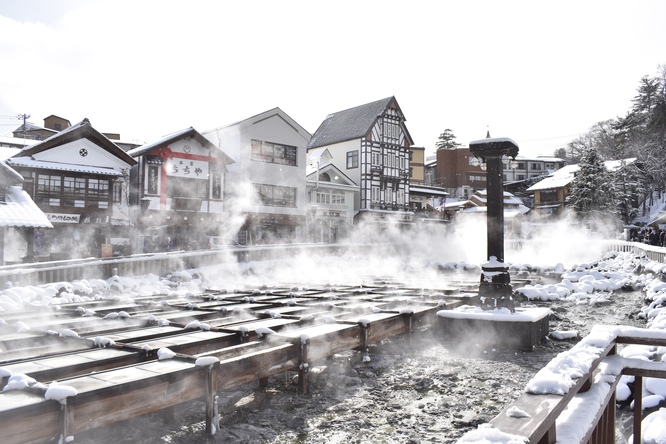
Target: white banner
(197,169)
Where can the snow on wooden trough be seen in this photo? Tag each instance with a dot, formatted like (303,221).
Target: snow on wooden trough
(523,329)
(109,360)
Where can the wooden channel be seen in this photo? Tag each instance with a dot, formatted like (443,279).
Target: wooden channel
(114,365)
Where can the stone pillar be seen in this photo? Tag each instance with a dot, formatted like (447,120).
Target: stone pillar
(495,283)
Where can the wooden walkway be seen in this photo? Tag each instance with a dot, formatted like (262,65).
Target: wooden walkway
(217,341)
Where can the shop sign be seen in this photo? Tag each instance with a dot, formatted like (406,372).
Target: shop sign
(187,168)
(62,218)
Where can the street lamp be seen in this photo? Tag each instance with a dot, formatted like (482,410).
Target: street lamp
(495,280)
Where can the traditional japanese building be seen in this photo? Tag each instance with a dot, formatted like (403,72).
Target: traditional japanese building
(266,186)
(178,184)
(370,144)
(77,177)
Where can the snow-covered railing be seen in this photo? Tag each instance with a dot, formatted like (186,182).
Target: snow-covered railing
(142,264)
(572,399)
(652,252)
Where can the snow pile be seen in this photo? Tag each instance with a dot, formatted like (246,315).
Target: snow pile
(59,392)
(164,353)
(486,434)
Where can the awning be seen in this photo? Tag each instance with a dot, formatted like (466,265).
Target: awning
(19,210)
(27,162)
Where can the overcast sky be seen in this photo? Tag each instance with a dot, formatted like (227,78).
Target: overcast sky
(538,72)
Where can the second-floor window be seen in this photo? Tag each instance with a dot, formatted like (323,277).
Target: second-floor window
(276,195)
(352,159)
(330,197)
(273,153)
(548,195)
(70,191)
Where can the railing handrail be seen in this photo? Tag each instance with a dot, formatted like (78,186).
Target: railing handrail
(538,424)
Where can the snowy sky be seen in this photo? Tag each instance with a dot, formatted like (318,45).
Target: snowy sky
(539,73)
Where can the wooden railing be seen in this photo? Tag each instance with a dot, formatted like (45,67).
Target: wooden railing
(539,413)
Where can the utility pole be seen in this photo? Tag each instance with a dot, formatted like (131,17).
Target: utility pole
(25,117)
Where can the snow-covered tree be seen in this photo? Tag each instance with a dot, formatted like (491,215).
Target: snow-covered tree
(447,141)
(591,190)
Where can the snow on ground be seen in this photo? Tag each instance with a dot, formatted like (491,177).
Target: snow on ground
(588,284)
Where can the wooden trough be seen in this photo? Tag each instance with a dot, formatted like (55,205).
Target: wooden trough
(522,330)
(217,341)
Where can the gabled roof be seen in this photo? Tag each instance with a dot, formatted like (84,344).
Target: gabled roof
(263,116)
(330,168)
(19,210)
(352,123)
(174,137)
(82,130)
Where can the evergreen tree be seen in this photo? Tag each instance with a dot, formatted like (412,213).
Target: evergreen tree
(591,189)
(447,141)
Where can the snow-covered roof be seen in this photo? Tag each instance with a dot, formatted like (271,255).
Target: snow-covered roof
(566,174)
(6,169)
(433,191)
(19,210)
(558,179)
(7,152)
(28,162)
(15,141)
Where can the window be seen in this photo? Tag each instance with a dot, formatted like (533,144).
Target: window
(521,166)
(277,196)
(352,159)
(476,178)
(548,195)
(330,197)
(375,194)
(337,198)
(401,197)
(273,153)
(117,192)
(536,166)
(376,159)
(70,191)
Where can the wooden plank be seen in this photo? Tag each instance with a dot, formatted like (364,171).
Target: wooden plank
(112,403)
(21,411)
(254,366)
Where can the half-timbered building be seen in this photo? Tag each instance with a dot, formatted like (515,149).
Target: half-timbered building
(178,183)
(77,177)
(370,144)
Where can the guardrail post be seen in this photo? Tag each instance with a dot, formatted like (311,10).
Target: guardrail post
(66,418)
(212,418)
(303,367)
(638,408)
